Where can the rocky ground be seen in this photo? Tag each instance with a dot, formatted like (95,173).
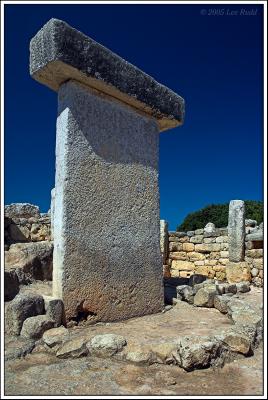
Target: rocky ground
(44,374)
(135,370)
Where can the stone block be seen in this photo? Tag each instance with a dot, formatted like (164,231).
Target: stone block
(224,246)
(54,310)
(209,240)
(182,265)
(238,272)
(220,303)
(196,239)
(205,297)
(106,345)
(207,248)
(222,239)
(19,309)
(55,336)
(236,230)
(201,270)
(175,246)
(188,247)
(254,253)
(178,255)
(194,256)
(34,327)
(199,231)
(88,62)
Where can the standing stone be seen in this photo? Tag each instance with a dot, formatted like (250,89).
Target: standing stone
(164,240)
(107,259)
(52,212)
(236,230)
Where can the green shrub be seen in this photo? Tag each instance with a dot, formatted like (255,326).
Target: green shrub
(218,214)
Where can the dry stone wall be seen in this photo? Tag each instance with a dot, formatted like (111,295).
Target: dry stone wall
(24,223)
(206,252)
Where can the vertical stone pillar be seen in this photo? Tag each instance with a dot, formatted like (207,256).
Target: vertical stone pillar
(237,270)
(236,230)
(52,212)
(164,240)
(107,259)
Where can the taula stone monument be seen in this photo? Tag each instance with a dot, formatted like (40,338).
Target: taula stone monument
(106,186)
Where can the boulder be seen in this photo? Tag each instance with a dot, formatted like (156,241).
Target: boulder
(238,272)
(185,293)
(106,345)
(205,297)
(221,303)
(250,222)
(22,210)
(140,356)
(54,310)
(196,352)
(243,287)
(55,336)
(11,285)
(236,342)
(34,327)
(30,261)
(209,230)
(17,347)
(19,309)
(73,348)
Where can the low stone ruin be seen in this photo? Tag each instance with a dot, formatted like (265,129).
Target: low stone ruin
(206,252)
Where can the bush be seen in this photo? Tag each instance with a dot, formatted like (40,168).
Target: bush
(218,214)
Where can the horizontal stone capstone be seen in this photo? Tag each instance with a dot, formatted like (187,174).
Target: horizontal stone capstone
(59,53)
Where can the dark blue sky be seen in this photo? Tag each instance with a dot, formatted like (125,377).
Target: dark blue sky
(214,62)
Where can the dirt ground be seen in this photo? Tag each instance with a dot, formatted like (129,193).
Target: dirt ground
(41,373)
(44,374)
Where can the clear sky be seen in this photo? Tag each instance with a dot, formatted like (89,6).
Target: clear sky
(214,61)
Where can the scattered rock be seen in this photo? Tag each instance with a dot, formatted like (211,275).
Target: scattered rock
(55,336)
(230,288)
(73,348)
(246,316)
(243,287)
(185,293)
(140,357)
(106,345)
(34,327)
(17,347)
(221,302)
(20,308)
(54,310)
(205,297)
(236,342)
(196,352)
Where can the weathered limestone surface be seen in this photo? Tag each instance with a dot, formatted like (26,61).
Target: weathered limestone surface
(106,213)
(236,230)
(59,52)
(106,208)
(163,239)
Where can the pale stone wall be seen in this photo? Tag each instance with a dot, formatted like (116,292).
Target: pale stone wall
(25,223)
(206,252)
